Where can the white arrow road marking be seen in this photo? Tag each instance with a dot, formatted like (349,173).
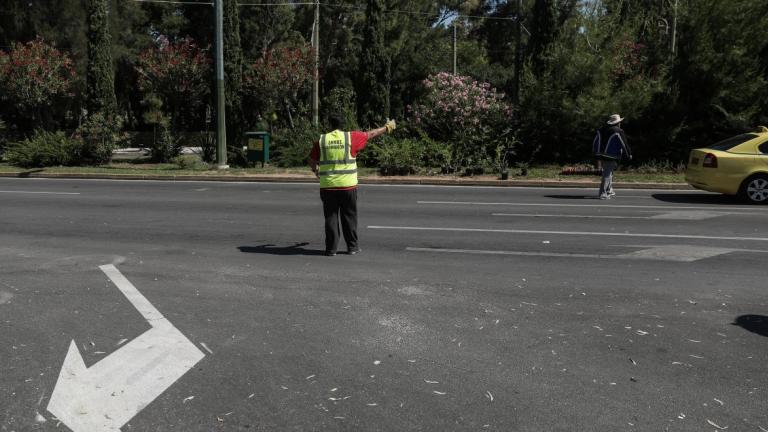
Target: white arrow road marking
(691,215)
(682,253)
(110,393)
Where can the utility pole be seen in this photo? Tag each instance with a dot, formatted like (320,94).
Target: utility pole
(221,127)
(518,53)
(316,82)
(674,29)
(454,47)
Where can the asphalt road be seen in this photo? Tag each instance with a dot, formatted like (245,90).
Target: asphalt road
(498,309)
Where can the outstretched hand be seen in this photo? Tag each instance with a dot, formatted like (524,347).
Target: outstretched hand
(391,125)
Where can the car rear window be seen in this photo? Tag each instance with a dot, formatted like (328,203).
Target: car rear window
(730,143)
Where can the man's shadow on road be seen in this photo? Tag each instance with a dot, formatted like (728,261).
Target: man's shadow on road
(757,324)
(270,249)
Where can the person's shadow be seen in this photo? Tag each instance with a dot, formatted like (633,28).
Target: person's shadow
(270,249)
(754,323)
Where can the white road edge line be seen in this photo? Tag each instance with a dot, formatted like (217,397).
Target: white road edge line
(40,193)
(609,206)
(571,233)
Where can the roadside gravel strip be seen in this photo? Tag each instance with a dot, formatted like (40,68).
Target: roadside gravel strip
(409,180)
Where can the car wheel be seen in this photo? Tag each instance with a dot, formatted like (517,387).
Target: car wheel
(755,189)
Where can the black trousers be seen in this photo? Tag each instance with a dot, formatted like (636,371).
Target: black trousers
(340,205)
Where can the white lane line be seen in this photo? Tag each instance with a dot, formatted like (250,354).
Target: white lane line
(40,193)
(583,205)
(673,215)
(499,252)
(569,216)
(572,233)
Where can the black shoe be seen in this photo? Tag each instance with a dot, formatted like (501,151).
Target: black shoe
(354,251)
(330,253)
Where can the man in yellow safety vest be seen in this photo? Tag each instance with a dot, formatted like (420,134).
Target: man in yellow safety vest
(333,160)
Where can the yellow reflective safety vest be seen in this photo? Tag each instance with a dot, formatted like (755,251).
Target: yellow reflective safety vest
(338,169)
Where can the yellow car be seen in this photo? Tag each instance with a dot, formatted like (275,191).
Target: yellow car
(735,166)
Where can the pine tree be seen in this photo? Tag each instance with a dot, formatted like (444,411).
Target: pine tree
(233,73)
(373,85)
(100,92)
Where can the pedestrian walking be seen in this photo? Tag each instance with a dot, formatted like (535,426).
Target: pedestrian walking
(333,160)
(609,148)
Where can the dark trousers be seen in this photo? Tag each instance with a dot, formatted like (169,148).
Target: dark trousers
(340,204)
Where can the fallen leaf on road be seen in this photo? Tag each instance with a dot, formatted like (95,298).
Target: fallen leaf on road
(716,425)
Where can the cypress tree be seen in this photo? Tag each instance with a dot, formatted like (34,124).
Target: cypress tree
(100,92)
(543,33)
(373,84)
(233,73)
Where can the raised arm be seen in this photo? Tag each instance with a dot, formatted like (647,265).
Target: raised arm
(387,128)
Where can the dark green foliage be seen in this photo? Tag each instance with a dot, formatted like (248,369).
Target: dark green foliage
(584,60)
(100,80)
(373,82)
(341,100)
(544,29)
(405,156)
(45,149)
(291,147)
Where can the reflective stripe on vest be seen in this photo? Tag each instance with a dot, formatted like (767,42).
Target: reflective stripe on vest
(337,166)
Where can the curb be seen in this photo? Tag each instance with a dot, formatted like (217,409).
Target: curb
(363,180)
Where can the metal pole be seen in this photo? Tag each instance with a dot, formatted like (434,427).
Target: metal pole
(316,82)
(221,125)
(454,47)
(518,53)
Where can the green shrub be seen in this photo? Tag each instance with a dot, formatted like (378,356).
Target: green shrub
(166,146)
(291,147)
(190,162)
(100,134)
(45,149)
(397,157)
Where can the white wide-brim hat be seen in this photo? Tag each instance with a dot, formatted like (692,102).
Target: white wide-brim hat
(614,119)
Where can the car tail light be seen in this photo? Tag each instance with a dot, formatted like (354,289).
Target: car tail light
(710,161)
